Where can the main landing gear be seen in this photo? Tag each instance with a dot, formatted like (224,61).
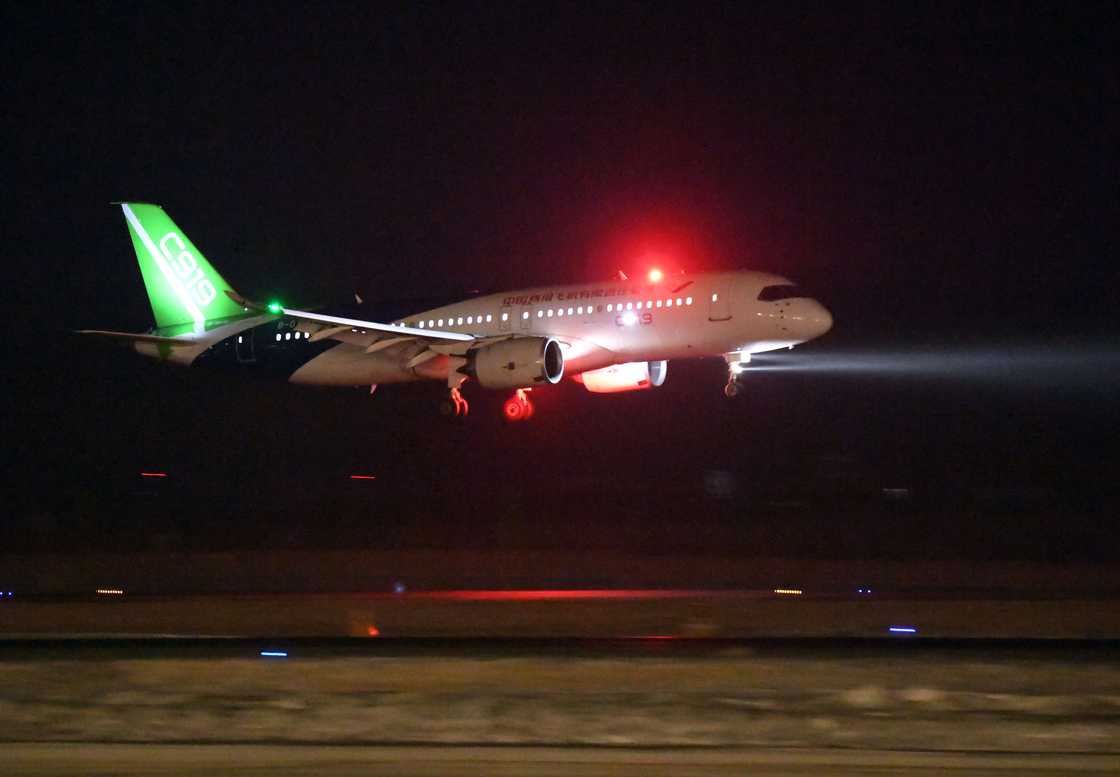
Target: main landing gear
(455,404)
(518,407)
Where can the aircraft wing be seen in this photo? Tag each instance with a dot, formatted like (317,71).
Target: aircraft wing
(423,344)
(340,323)
(335,325)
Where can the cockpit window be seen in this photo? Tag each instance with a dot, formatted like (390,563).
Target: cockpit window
(785,291)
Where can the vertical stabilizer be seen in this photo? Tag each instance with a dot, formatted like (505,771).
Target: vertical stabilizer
(182,286)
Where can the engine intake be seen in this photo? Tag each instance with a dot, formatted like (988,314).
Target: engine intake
(517,363)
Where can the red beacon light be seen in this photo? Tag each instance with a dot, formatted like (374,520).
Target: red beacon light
(655,275)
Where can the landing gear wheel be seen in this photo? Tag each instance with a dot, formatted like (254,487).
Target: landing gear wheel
(454,405)
(514,409)
(518,407)
(732,388)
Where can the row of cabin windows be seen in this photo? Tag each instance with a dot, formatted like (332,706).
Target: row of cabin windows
(575,310)
(287,336)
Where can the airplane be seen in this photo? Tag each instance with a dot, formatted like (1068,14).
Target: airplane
(611,336)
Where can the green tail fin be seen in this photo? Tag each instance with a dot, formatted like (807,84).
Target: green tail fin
(182,286)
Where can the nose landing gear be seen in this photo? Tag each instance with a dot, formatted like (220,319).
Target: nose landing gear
(518,407)
(737,361)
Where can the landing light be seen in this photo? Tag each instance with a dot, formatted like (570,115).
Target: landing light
(629,318)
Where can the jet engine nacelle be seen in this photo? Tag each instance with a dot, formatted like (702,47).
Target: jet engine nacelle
(631,376)
(518,363)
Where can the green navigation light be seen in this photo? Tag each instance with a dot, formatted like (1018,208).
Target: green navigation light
(275,307)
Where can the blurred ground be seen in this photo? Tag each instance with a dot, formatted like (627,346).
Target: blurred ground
(83,759)
(808,707)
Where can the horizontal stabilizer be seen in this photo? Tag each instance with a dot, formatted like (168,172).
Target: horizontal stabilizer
(135,337)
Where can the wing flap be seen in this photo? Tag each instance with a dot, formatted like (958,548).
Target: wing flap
(388,342)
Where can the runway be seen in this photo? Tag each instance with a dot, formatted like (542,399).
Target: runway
(785,611)
(785,680)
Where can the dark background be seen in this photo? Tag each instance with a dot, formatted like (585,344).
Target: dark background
(942,176)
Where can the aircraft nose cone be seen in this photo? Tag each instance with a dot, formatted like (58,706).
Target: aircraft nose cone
(820,319)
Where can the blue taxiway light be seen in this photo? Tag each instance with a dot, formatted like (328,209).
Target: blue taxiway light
(903,630)
(274,654)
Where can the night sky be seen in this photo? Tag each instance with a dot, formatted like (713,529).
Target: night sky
(943,178)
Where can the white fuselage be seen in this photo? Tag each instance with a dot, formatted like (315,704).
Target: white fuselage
(599,324)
